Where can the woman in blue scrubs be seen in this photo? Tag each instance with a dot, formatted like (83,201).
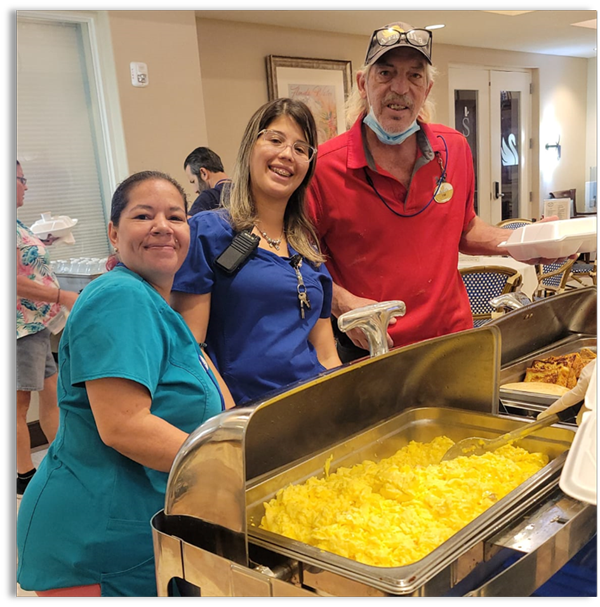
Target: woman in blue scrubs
(132,385)
(266,324)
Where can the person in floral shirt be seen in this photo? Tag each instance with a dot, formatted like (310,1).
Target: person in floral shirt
(39,304)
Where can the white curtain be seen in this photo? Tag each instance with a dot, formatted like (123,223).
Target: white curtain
(58,140)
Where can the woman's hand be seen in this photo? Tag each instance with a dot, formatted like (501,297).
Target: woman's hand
(68,299)
(49,240)
(29,289)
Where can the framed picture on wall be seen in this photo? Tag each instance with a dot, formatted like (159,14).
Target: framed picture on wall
(323,84)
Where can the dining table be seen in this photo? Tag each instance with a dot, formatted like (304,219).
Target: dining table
(526,270)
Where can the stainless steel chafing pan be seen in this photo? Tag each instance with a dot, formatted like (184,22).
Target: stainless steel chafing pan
(515,372)
(422,425)
(545,323)
(556,325)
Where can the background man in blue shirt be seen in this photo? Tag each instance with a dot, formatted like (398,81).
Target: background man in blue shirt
(206,173)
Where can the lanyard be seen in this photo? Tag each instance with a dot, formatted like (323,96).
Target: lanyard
(296,263)
(440,181)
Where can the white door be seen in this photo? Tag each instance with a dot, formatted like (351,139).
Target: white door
(492,109)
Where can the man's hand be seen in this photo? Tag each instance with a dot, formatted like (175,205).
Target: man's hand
(543,260)
(344,301)
(481,238)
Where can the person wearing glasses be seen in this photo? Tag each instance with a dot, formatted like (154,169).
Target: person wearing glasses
(133,385)
(254,289)
(392,198)
(39,314)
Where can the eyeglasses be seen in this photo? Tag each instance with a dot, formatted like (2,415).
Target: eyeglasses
(301,150)
(22,180)
(390,36)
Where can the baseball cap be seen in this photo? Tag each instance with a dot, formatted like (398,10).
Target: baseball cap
(396,35)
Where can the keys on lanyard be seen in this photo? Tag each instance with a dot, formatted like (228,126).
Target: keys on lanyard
(296,263)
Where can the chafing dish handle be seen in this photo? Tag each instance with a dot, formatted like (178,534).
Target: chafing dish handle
(509,301)
(537,566)
(373,320)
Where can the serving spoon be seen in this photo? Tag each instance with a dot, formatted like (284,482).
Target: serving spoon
(478,446)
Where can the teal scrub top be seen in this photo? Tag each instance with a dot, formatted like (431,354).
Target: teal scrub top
(85,516)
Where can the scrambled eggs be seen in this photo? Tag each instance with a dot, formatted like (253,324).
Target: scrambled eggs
(395,512)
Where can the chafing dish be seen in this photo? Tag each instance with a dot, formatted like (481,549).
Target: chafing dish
(515,372)
(557,325)
(207,541)
(447,564)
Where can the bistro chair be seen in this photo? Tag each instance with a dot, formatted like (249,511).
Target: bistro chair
(580,270)
(484,283)
(553,278)
(514,223)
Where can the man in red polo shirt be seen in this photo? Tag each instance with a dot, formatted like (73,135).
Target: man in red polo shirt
(392,199)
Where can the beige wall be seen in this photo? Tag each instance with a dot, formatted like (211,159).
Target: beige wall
(234,75)
(202,91)
(164,121)
(234,81)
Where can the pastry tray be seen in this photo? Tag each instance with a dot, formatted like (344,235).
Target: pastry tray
(515,372)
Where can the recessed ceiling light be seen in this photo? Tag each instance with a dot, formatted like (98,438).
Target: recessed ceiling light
(509,13)
(434,27)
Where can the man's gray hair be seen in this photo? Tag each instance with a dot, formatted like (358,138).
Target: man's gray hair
(356,105)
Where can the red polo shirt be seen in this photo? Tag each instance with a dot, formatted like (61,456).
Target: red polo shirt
(376,254)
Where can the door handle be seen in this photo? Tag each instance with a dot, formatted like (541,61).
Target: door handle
(497,192)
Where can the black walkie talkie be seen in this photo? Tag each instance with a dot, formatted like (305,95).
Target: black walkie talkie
(237,252)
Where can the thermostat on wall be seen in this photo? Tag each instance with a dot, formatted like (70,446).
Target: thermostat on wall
(139,73)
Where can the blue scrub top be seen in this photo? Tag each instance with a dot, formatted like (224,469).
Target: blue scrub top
(256,336)
(85,516)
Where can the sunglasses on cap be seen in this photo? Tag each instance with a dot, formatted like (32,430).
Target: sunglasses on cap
(393,35)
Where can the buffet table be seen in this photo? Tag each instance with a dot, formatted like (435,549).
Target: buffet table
(527,271)
(208,536)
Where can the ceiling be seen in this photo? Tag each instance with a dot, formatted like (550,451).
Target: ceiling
(539,31)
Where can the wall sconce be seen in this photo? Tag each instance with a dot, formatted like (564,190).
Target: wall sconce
(555,145)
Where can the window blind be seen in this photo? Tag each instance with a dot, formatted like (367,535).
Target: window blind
(57,141)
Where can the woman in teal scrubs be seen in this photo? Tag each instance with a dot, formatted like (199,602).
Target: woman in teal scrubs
(132,385)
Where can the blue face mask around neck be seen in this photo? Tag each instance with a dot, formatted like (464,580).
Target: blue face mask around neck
(383,135)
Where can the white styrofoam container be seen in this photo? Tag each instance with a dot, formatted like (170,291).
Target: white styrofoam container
(578,478)
(553,239)
(57,226)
